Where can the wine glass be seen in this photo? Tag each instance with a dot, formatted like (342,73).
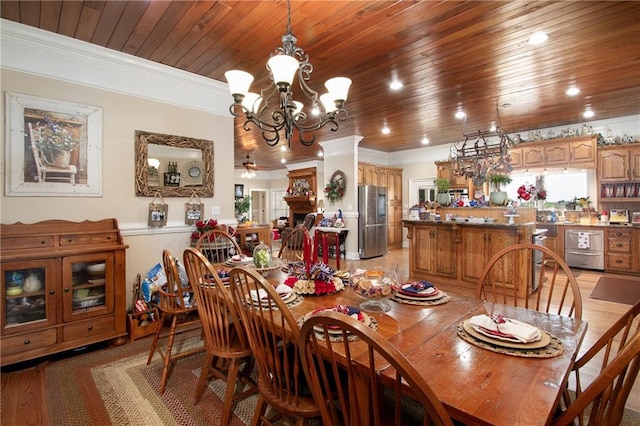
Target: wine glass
(377,284)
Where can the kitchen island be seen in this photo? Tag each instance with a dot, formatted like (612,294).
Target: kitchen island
(456,252)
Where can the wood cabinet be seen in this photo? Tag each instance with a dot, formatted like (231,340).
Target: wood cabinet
(445,170)
(478,247)
(390,178)
(619,174)
(459,252)
(619,253)
(62,286)
(571,152)
(438,251)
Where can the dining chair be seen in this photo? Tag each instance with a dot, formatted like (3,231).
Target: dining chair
(557,290)
(609,392)
(227,346)
(273,336)
(218,245)
(292,247)
(606,348)
(342,380)
(181,315)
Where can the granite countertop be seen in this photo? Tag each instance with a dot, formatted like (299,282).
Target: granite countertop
(465,223)
(598,224)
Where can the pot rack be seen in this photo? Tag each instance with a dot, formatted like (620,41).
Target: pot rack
(476,159)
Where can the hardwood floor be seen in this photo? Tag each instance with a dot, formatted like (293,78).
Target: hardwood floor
(23,397)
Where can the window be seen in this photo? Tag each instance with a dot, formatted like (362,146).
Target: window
(560,186)
(280,207)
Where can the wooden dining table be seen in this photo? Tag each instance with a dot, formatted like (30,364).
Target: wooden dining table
(476,385)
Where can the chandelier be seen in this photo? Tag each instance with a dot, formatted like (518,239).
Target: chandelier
(274,109)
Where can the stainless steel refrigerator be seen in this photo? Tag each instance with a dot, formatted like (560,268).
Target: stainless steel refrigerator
(372,221)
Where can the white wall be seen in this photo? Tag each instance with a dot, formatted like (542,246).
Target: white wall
(134,95)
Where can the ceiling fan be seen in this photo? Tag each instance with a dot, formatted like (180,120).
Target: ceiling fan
(249,169)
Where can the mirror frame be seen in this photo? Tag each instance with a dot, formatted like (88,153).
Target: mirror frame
(142,141)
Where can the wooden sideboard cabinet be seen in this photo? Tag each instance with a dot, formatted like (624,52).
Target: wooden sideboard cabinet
(63,286)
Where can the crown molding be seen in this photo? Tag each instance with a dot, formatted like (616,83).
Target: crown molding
(43,53)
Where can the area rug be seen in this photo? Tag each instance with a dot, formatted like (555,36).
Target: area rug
(617,289)
(115,387)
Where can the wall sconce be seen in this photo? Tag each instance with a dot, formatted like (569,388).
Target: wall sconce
(321,206)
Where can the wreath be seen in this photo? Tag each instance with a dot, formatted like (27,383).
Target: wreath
(334,190)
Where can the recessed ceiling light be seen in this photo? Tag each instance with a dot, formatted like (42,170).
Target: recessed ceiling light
(320,154)
(425,140)
(283,148)
(572,91)
(395,85)
(283,161)
(386,130)
(460,114)
(588,113)
(538,37)
(492,128)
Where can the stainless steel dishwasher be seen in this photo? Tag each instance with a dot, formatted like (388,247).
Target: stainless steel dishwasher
(584,248)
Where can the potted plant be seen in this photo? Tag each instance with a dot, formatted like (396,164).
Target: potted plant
(497,196)
(242,206)
(56,140)
(442,186)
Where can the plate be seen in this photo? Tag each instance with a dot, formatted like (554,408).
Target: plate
(363,317)
(266,303)
(438,295)
(420,293)
(545,339)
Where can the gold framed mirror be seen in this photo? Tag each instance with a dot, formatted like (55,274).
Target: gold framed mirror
(173,166)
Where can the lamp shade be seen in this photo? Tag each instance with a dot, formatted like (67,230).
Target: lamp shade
(283,68)
(328,102)
(252,101)
(239,81)
(321,204)
(338,88)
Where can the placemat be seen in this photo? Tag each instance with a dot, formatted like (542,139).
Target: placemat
(553,349)
(338,337)
(441,301)
(290,304)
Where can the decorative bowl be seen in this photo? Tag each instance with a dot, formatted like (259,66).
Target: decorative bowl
(375,284)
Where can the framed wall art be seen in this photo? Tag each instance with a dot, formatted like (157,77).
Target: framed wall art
(173,166)
(238,191)
(53,148)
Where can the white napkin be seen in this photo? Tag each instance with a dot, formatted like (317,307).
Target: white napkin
(521,331)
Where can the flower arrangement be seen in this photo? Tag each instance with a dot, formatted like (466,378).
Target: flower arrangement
(54,136)
(202,227)
(334,191)
(531,193)
(319,279)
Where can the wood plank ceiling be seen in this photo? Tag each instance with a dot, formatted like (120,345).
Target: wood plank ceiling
(472,55)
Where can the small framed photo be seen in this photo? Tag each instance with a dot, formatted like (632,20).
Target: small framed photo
(239,191)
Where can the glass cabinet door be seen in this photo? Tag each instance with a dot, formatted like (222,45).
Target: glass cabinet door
(28,292)
(87,285)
